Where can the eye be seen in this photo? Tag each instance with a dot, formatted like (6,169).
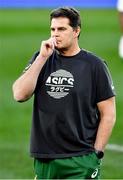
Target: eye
(61,28)
(52,29)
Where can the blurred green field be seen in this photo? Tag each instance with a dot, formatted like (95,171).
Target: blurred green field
(21,32)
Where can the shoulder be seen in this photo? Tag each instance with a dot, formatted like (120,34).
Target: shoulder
(92,58)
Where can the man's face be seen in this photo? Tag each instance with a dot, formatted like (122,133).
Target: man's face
(65,35)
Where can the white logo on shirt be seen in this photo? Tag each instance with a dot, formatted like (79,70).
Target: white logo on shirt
(112,86)
(59,83)
(94,173)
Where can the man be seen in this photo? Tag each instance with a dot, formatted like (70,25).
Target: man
(74,105)
(120,10)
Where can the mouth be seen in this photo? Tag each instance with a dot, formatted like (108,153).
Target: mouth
(58,41)
(57,44)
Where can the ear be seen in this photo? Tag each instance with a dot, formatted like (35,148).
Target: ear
(77,31)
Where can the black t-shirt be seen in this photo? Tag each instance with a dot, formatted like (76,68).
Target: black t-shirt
(65,114)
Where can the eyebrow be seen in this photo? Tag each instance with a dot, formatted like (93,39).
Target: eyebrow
(60,28)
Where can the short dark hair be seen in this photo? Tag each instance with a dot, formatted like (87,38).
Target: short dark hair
(71,13)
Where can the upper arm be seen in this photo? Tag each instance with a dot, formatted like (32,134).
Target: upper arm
(107,107)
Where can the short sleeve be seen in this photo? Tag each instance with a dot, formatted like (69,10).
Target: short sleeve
(31,61)
(104,84)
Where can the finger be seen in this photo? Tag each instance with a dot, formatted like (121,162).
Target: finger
(53,44)
(49,44)
(54,41)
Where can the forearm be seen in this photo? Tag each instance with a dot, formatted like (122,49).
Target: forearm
(24,86)
(104,132)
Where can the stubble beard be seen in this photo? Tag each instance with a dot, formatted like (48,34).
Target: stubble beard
(62,50)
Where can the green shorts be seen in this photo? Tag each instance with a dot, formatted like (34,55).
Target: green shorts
(78,167)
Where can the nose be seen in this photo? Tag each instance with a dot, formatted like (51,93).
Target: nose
(55,33)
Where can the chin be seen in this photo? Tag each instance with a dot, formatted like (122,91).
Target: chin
(61,48)
(58,47)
